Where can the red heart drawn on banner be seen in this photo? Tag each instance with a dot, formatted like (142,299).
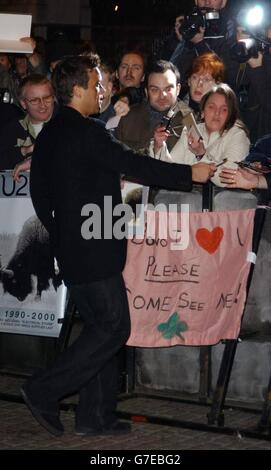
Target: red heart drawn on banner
(209,240)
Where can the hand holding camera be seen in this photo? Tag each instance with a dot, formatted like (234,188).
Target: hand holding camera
(255,62)
(177,28)
(205,22)
(252,41)
(198,36)
(161,135)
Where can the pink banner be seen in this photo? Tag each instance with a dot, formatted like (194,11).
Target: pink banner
(192,296)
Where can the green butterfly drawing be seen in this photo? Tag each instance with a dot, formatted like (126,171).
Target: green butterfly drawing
(173,327)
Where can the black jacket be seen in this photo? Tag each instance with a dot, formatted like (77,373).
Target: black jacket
(218,45)
(261,152)
(77,162)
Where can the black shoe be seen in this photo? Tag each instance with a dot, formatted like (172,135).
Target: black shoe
(49,421)
(118,427)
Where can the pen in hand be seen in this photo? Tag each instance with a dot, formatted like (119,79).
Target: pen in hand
(221,163)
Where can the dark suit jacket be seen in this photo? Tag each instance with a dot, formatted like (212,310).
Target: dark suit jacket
(268,177)
(77,162)
(10,130)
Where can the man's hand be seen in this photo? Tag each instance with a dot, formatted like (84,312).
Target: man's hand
(241,33)
(20,168)
(26,149)
(30,41)
(34,58)
(160,136)
(198,36)
(201,172)
(255,62)
(178,23)
(121,107)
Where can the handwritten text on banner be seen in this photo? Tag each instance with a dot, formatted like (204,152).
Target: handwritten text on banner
(195,296)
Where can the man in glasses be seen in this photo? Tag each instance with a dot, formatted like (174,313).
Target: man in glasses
(18,137)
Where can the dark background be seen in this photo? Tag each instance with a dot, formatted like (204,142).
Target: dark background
(140,23)
(143,24)
(144,12)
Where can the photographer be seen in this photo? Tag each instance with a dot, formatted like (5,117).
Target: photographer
(173,46)
(252,54)
(210,27)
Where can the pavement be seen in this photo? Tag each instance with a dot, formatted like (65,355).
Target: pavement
(20,431)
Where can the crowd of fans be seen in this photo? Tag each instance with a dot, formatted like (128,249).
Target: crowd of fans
(196,73)
(147,105)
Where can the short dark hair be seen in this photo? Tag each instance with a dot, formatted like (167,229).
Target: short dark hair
(162,66)
(106,68)
(70,72)
(31,79)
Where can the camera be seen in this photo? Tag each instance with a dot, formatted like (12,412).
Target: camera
(245,49)
(5,96)
(192,23)
(253,21)
(207,18)
(166,120)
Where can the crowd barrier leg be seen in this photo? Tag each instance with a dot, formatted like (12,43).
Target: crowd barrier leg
(129,369)
(205,355)
(205,365)
(216,415)
(264,424)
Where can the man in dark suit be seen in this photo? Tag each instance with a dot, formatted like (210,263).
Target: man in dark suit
(76,170)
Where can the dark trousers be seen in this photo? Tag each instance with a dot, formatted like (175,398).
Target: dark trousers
(89,365)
